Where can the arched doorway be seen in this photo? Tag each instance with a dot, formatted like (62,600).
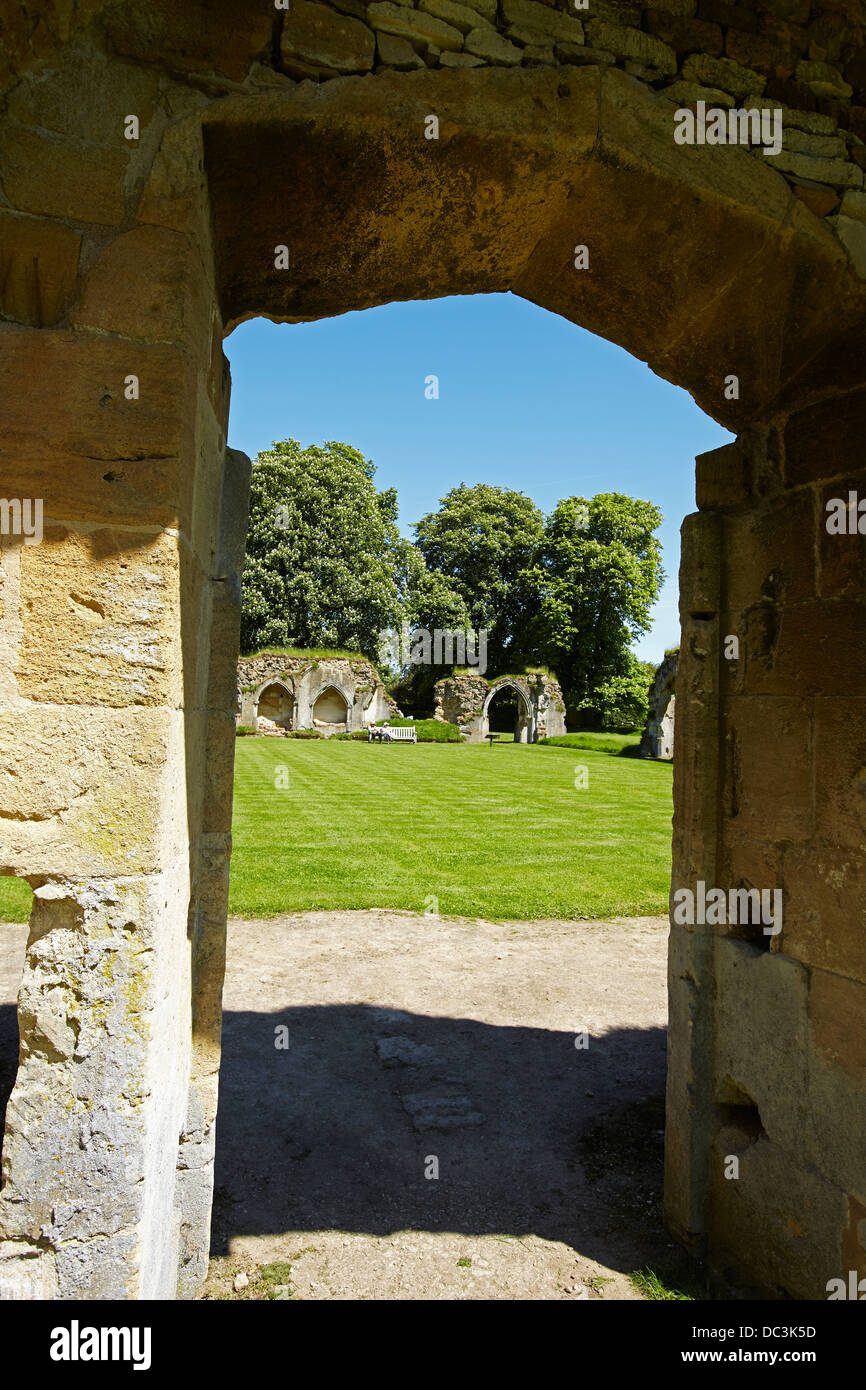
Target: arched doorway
(507,711)
(331,711)
(702,261)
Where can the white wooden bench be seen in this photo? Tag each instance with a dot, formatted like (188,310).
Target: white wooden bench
(400,733)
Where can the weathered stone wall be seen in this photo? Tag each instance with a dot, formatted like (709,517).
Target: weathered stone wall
(464,699)
(657,739)
(125,255)
(305,678)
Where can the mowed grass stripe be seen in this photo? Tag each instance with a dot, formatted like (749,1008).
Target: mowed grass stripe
(498,833)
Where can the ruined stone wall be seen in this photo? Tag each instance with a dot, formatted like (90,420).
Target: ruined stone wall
(307,678)
(657,739)
(464,699)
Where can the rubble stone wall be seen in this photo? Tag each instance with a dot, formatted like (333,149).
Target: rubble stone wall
(657,740)
(305,679)
(464,699)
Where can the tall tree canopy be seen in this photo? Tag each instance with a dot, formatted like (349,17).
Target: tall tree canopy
(483,539)
(598,574)
(326,567)
(322,551)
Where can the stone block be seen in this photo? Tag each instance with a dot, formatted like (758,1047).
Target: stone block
(548,25)
(835,171)
(92,791)
(201,36)
(837,1007)
(417,26)
(68,178)
(768,767)
(723,73)
(581,55)
(819,198)
(690,93)
(397,53)
(768,551)
(824,440)
(852,234)
(840,771)
(486,8)
(80,445)
(149,284)
(38,266)
(633,44)
(769,54)
(825,891)
(484,43)
(536,56)
(315,36)
(736,17)
(841,558)
(101,1088)
(805,647)
(807,120)
(854,204)
(60,97)
(100,619)
(823,79)
(837,1083)
(761,1036)
(821,146)
(800,1215)
(459,16)
(460,60)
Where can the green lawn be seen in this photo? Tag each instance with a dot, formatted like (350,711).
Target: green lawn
(15,900)
(489,832)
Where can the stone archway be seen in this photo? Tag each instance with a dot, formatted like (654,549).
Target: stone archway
(126,260)
(524,729)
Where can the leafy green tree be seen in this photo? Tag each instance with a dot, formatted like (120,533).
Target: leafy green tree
(322,551)
(619,702)
(428,598)
(598,574)
(483,540)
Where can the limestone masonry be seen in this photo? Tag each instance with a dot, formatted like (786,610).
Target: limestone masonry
(332,694)
(657,740)
(285,164)
(465,700)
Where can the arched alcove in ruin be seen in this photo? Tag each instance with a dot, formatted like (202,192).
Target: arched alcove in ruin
(331,709)
(276,702)
(250,191)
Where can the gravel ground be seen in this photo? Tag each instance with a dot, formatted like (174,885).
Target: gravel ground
(414,1038)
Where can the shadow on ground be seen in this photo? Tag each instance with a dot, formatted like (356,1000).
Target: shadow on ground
(532,1135)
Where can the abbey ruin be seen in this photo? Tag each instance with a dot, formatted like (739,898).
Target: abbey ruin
(465,698)
(170,169)
(331,694)
(657,739)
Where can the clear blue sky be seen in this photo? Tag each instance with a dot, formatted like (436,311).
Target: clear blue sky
(526,400)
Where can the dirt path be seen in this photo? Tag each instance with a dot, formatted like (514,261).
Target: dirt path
(413,1039)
